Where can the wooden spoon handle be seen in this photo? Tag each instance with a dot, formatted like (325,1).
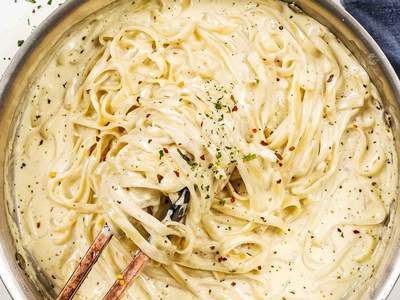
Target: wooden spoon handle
(126,278)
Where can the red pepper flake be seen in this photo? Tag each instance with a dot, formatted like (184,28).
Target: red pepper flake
(176,173)
(232,200)
(202,157)
(165,150)
(264,143)
(267,132)
(280,157)
(254,130)
(292,148)
(159,178)
(233,283)
(148,115)
(355,231)
(235,108)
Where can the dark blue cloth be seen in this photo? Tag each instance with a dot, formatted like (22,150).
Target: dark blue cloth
(381,18)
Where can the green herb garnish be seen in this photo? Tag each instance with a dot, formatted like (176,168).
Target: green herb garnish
(249,157)
(187,159)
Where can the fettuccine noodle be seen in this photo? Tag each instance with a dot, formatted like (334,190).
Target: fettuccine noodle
(257,109)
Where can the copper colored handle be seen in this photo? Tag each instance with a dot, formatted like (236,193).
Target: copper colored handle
(130,273)
(86,264)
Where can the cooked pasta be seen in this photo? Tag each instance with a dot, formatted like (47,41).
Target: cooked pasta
(257,109)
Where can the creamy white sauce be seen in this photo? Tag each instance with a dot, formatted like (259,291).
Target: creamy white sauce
(261,112)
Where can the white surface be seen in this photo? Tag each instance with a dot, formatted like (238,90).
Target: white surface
(18,18)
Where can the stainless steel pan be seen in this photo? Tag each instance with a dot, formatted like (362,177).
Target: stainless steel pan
(31,56)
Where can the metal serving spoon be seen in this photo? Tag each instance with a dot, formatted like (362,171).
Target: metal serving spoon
(169,211)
